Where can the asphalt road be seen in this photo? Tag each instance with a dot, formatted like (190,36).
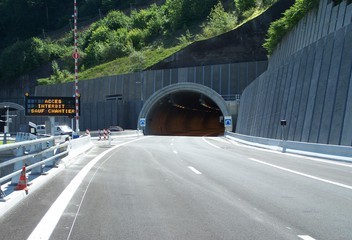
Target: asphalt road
(188,188)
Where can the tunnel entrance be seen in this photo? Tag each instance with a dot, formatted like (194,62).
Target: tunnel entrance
(184,109)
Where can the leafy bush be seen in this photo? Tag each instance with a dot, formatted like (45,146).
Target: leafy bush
(116,19)
(153,19)
(218,22)
(244,5)
(137,60)
(279,28)
(58,76)
(182,13)
(27,55)
(138,37)
(185,39)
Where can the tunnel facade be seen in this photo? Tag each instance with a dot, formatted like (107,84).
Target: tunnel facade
(184,109)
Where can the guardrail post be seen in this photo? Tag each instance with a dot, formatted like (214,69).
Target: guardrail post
(50,154)
(20,151)
(36,148)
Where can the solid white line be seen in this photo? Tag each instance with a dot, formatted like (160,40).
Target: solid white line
(210,143)
(83,197)
(303,174)
(194,170)
(306,237)
(48,223)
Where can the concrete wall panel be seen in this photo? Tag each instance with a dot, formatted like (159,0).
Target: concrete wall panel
(327,18)
(291,100)
(318,49)
(331,86)
(294,133)
(333,19)
(322,18)
(304,92)
(346,138)
(273,106)
(216,78)
(341,15)
(320,97)
(348,15)
(279,98)
(343,82)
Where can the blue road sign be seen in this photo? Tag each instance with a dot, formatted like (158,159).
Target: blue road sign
(228,121)
(142,122)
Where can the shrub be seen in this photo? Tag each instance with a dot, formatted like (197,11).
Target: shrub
(180,13)
(153,19)
(279,28)
(218,22)
(244,5)
(116,19)
(137,60)
(138,37)
(24,56)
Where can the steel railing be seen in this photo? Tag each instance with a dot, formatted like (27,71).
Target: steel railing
(35,155)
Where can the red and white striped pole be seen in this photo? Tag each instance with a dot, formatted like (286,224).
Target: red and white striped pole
(75,57)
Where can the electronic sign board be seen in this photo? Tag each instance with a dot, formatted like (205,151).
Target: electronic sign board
(50,106)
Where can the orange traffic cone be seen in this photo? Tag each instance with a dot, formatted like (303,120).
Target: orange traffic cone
(22,183)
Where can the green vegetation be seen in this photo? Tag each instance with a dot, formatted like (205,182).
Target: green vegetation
(291,17)
(119,42)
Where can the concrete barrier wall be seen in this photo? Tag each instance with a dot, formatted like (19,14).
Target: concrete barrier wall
(117,100)
(311,88)
(335,152)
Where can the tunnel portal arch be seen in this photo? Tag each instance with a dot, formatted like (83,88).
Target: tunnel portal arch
(190,94)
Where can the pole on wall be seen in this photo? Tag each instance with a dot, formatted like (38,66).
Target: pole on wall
(76,56)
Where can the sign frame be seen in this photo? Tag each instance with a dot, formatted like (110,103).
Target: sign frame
(50,106)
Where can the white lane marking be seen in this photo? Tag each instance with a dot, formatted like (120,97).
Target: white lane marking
(171,144)
(48,223)
(83,197)
(174,151)
(303,174)
(194,170)
(210,143)
(323,161)
(306,237)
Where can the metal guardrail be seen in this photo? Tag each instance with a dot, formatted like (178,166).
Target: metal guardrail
(35,155)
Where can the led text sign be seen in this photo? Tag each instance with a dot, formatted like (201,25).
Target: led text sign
(50,106)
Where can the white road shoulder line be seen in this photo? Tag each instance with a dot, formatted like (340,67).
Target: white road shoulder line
(194,170)
(303,174)
(48,223)
(306,237)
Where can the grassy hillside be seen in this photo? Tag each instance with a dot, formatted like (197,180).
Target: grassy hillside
(149,55)
(123,42)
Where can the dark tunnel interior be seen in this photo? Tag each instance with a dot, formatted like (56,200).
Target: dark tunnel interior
(185,113)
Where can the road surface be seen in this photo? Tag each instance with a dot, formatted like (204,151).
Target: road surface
(188,188)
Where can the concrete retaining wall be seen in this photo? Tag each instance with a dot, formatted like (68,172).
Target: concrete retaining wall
(308,84)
